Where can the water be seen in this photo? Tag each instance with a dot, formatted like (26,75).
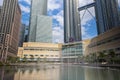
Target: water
(58,72)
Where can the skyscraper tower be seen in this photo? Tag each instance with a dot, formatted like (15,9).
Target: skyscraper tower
(107,15)
(40,24)
(10,20)
(72,27)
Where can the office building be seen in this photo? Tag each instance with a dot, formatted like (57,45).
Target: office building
(40,51)
(107,15)
(72,27)
(22,35)
(0,9)
(40,24)
(9,28)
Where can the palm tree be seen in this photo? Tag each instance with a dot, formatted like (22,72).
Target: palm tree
(111,56)
(32,57)
(101,57)
(25,59)
(38,59)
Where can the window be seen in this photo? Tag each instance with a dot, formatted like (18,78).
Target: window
(41,55)
(25,55)
(47,55)
(56,55)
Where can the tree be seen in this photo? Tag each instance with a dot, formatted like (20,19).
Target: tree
(32,57)
(11,59)
(111,55)
(45,60)
(25,59)
(101,57)
(38,59)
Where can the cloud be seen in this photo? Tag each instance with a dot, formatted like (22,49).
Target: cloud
(85,33)
(54,4)
(1,2)
(59,18)
(58,34)
(86,17)
(84,2)
(25,9)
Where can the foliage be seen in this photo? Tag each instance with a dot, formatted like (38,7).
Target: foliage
(110,57)
(11,59)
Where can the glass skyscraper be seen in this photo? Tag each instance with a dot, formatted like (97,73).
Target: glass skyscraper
(40,24)
(107,14)
(72,27)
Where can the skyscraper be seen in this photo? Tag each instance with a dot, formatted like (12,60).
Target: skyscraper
(107,15)
(72,27)
(22,34)
(40,24)
(0,9)
(10,19)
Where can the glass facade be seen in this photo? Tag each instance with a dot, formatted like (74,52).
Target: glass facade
(72,51)
(44,29)
(107,14)
(40,25)
(72,28)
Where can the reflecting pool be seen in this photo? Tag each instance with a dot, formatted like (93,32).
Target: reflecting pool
(58,72)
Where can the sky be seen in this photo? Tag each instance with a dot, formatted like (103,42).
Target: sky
(55,9)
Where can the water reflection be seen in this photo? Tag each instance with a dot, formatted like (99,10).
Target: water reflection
(57,72)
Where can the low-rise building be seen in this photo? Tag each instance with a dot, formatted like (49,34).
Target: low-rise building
(108,41)
(72,52)
(42,51)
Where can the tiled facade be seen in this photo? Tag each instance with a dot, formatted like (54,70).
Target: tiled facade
(9,28)
(105,42)
(48,51)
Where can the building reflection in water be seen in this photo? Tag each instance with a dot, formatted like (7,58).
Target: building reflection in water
(101,74)
(30,73)
(57,72)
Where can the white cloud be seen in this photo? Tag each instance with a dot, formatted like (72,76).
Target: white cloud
(1,2)
(85,34)
(85,17)
(25,9)
(58,34)
(58,28)
(84,2)
(59,18)
(54,4)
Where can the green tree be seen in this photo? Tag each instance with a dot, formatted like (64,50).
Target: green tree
(101,57)
(111,55)
(45,60)
(25,59)
(38,59)
(32,57)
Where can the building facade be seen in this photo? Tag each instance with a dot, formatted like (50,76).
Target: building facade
(22,35)
(10,19)
(107,15)
(71,51)
(40,51)
(106,42)
(72,27)
(0,9)
(40,24)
